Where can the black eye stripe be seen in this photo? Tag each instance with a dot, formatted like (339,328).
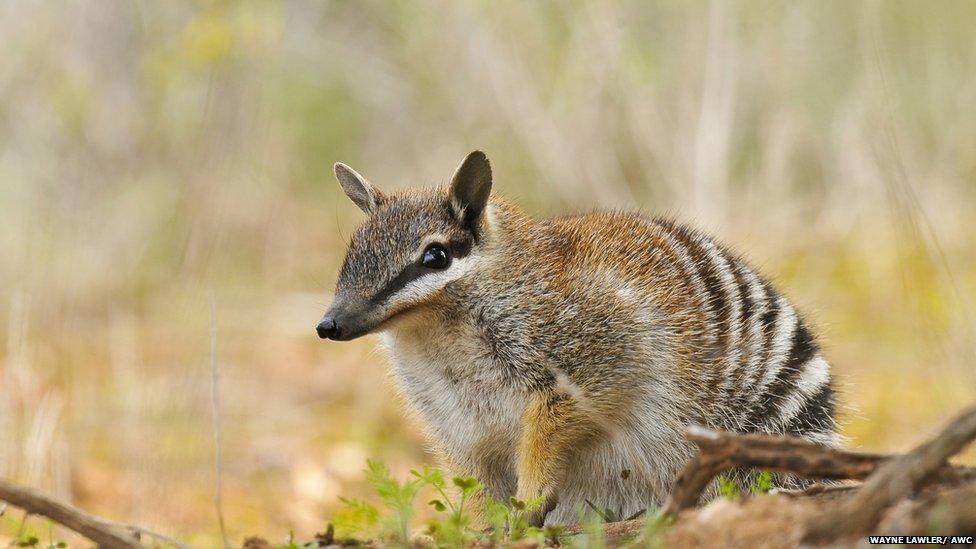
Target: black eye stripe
(413,271)
(409,273)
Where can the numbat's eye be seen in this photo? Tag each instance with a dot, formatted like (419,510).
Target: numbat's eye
(436,257)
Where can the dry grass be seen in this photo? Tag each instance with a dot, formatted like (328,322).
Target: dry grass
(151,151)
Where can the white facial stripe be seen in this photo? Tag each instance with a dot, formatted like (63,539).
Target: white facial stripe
(425,286)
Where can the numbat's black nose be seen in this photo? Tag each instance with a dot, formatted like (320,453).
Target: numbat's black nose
(328,329)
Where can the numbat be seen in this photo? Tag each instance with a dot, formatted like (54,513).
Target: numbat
(564,357)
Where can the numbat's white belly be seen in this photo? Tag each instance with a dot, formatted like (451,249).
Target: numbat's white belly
(468,406)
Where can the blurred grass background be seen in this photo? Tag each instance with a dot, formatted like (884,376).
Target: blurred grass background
(154,152)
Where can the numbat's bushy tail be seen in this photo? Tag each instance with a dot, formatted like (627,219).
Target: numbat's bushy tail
(563,357)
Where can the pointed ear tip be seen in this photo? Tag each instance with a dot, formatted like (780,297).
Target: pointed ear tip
(479,159)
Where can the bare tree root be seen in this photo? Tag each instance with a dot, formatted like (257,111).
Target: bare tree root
(103,532)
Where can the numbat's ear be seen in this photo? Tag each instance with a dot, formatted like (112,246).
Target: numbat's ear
(470,188)
(360,191)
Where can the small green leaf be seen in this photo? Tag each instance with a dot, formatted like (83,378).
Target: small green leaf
(553,532)
(535,503)
(655,528)
(431,476)
(516,504)
(29,542)
(438,505)
(727,488)
(534,533)
(356,517)
(763,483)
(606,514)
(468,485)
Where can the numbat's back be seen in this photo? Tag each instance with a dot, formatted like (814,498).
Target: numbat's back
(563,357)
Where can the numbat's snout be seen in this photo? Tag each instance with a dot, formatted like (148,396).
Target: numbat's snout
(549,355)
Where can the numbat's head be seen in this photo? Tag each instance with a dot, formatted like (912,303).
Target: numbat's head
(409,248)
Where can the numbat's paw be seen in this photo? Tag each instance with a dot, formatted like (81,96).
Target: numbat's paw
(537,516)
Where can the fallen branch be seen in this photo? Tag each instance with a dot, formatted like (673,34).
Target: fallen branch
(103,532)
(894,480)
(721,451)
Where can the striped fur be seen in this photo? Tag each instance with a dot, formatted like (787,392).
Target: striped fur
(554,354)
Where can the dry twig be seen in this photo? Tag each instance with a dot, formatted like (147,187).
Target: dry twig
(104,532)
(215,406)
(93,528)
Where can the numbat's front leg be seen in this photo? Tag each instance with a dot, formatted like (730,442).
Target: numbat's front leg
(554,429)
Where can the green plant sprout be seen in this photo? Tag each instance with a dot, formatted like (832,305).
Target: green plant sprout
(455,530)
(507,520)
(762,484)
(727,488)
